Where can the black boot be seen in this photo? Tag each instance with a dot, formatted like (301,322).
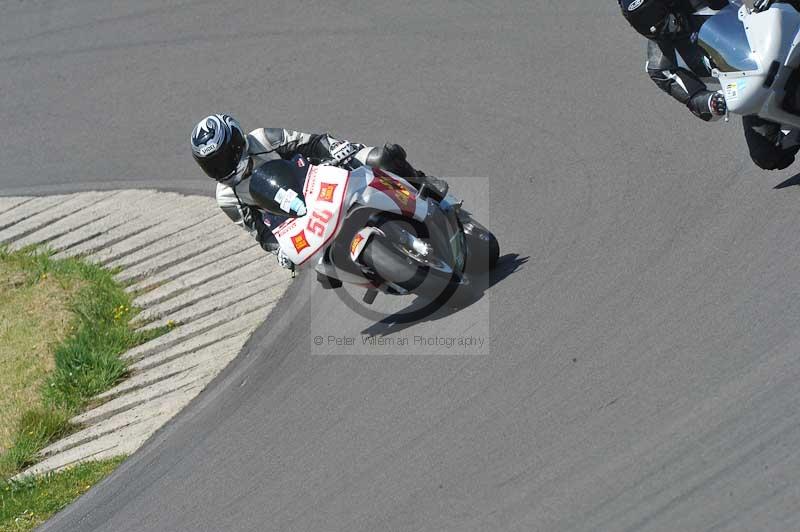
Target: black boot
(393,159)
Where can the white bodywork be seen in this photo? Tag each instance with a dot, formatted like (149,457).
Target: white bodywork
(332,195)
(773,35)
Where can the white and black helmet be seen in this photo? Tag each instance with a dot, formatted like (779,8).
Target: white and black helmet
(219,145)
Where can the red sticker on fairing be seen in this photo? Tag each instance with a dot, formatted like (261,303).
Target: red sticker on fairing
(326,192)
(300,242)
(404,198)
(354,244)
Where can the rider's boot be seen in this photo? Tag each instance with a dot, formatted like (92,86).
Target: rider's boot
(393,158)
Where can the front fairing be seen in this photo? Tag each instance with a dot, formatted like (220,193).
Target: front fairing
(453,232)
(724,39)
(754,55)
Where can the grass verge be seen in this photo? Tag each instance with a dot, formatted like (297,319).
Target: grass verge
(85,361)
(34,318)
(26,504)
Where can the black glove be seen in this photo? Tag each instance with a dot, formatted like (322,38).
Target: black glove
(761,5)
(717,104)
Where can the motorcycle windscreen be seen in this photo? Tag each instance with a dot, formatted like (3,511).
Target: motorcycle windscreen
(725,41)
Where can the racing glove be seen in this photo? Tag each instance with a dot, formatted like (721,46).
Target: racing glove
(342,152)
(717,104)
(284,261)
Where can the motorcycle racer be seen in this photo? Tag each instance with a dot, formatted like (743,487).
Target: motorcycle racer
(678,65)
(228,155)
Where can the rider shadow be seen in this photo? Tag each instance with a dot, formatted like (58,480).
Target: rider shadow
(417,312)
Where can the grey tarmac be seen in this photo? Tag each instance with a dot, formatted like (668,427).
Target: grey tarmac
(642,349)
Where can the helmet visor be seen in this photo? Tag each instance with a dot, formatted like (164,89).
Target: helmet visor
(225,162)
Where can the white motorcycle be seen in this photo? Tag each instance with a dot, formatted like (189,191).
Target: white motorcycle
(756,58)
(373,229)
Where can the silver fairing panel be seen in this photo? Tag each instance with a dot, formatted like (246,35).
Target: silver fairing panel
(724,39)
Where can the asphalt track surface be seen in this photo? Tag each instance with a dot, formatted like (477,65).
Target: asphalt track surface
(642,370)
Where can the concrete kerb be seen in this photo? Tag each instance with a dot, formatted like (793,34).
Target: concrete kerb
(137,414)
(27,209)
(170,250)
(208,355)
(99,215)
(258,269)
(222,251)
(185,332)
(6,204)
(223,289)
(222,330)
(102,217)
(134,221)
(246,324)
(166,228)
(135,398)
(48,234)
(124,440)
(201,276)
(209,358)
(261,289)
(69,206)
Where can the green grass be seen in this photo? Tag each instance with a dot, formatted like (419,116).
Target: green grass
(30,502)
(86,360)
(37,428)
(34,319)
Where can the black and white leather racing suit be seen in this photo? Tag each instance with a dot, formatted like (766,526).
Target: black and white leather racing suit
(268,144)
(680,68)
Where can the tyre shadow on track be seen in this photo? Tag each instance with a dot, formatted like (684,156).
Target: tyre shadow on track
(791,182)
(417,312)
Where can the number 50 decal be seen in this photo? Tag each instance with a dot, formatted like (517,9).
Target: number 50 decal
(318,220)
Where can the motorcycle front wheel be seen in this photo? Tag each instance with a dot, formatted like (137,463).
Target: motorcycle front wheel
(393,260)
